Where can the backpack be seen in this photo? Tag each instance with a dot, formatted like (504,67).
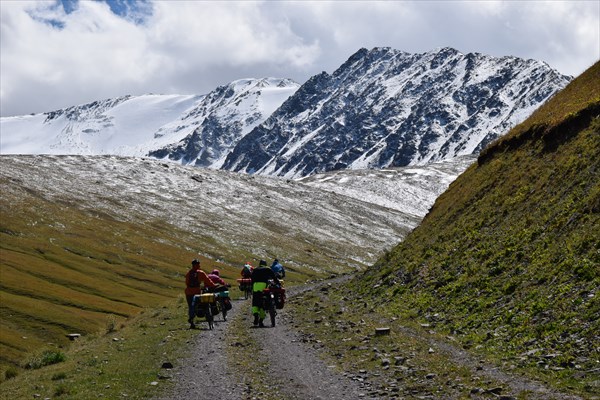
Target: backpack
(194,280)
(278,270)
(246,272)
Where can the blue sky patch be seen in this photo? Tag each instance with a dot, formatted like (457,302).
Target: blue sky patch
(134,10)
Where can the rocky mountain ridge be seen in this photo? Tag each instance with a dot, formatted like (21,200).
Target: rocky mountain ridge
(227,114)
(381,108)
(191,129)
(385,107)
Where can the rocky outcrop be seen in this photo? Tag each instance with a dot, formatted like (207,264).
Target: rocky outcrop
(385,107)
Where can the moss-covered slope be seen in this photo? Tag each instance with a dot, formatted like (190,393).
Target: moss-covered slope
(508,259)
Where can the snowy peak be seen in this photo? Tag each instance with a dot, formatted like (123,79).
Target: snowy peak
(121,126)
(160,125)
(222,118)
(385,107)
(381,108)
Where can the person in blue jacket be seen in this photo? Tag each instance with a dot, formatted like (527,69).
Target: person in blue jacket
(278,269)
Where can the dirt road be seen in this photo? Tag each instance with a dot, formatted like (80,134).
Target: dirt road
(207,370)
(294,369)
(237,361)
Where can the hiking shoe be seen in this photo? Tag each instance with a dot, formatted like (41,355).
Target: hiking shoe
(192,325)
(255,319)
(260,323)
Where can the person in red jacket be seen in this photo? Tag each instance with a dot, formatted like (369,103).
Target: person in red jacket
(192,287)
(246,271)
(215,277)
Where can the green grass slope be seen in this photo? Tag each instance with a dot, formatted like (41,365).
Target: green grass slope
(65,270)
(508,259)
(66,267)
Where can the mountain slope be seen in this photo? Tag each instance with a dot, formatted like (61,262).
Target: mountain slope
(113,126)
(103,237)
(507,261)
(198,130)
(385,107)
(410,190)
(227,114)
(381,108)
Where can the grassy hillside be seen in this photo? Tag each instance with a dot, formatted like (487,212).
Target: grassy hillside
(68,267)
(508,259)
(120,362)
(66,270)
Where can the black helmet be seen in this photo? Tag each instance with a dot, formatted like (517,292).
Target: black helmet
(262,263)
(195,261)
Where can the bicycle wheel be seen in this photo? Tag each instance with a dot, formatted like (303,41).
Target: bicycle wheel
(223,310)
(272,313)
(209,317)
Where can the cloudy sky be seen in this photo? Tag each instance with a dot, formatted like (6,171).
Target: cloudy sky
(56,54)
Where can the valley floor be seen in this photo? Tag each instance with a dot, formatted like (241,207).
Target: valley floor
(239,361)
(295,360)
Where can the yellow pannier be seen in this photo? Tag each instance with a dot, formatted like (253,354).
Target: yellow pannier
(207,298)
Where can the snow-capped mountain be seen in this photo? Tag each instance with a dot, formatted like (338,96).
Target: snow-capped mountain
(385,107)
(191,129)
(222,118)
(121,126)
(381,108)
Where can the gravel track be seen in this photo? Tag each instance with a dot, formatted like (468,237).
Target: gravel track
(206,373)
(296,369)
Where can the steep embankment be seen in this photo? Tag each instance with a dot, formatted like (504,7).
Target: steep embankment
(508,259)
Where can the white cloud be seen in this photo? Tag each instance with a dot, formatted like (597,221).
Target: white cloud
(51,59)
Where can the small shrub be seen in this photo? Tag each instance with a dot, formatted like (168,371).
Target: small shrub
(586,270)
(10,373)
(92,362)
(59,376)
(510,287)
(48,357)
(111,324)
(52,357)
(60,390)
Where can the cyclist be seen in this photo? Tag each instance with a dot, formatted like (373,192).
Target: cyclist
(215,277)
(221,286)
(278,269)
(260,279)
(192,287)
(247,270)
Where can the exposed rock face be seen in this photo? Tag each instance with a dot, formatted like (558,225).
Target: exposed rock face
(381,108)
(385,107)
(224,117)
